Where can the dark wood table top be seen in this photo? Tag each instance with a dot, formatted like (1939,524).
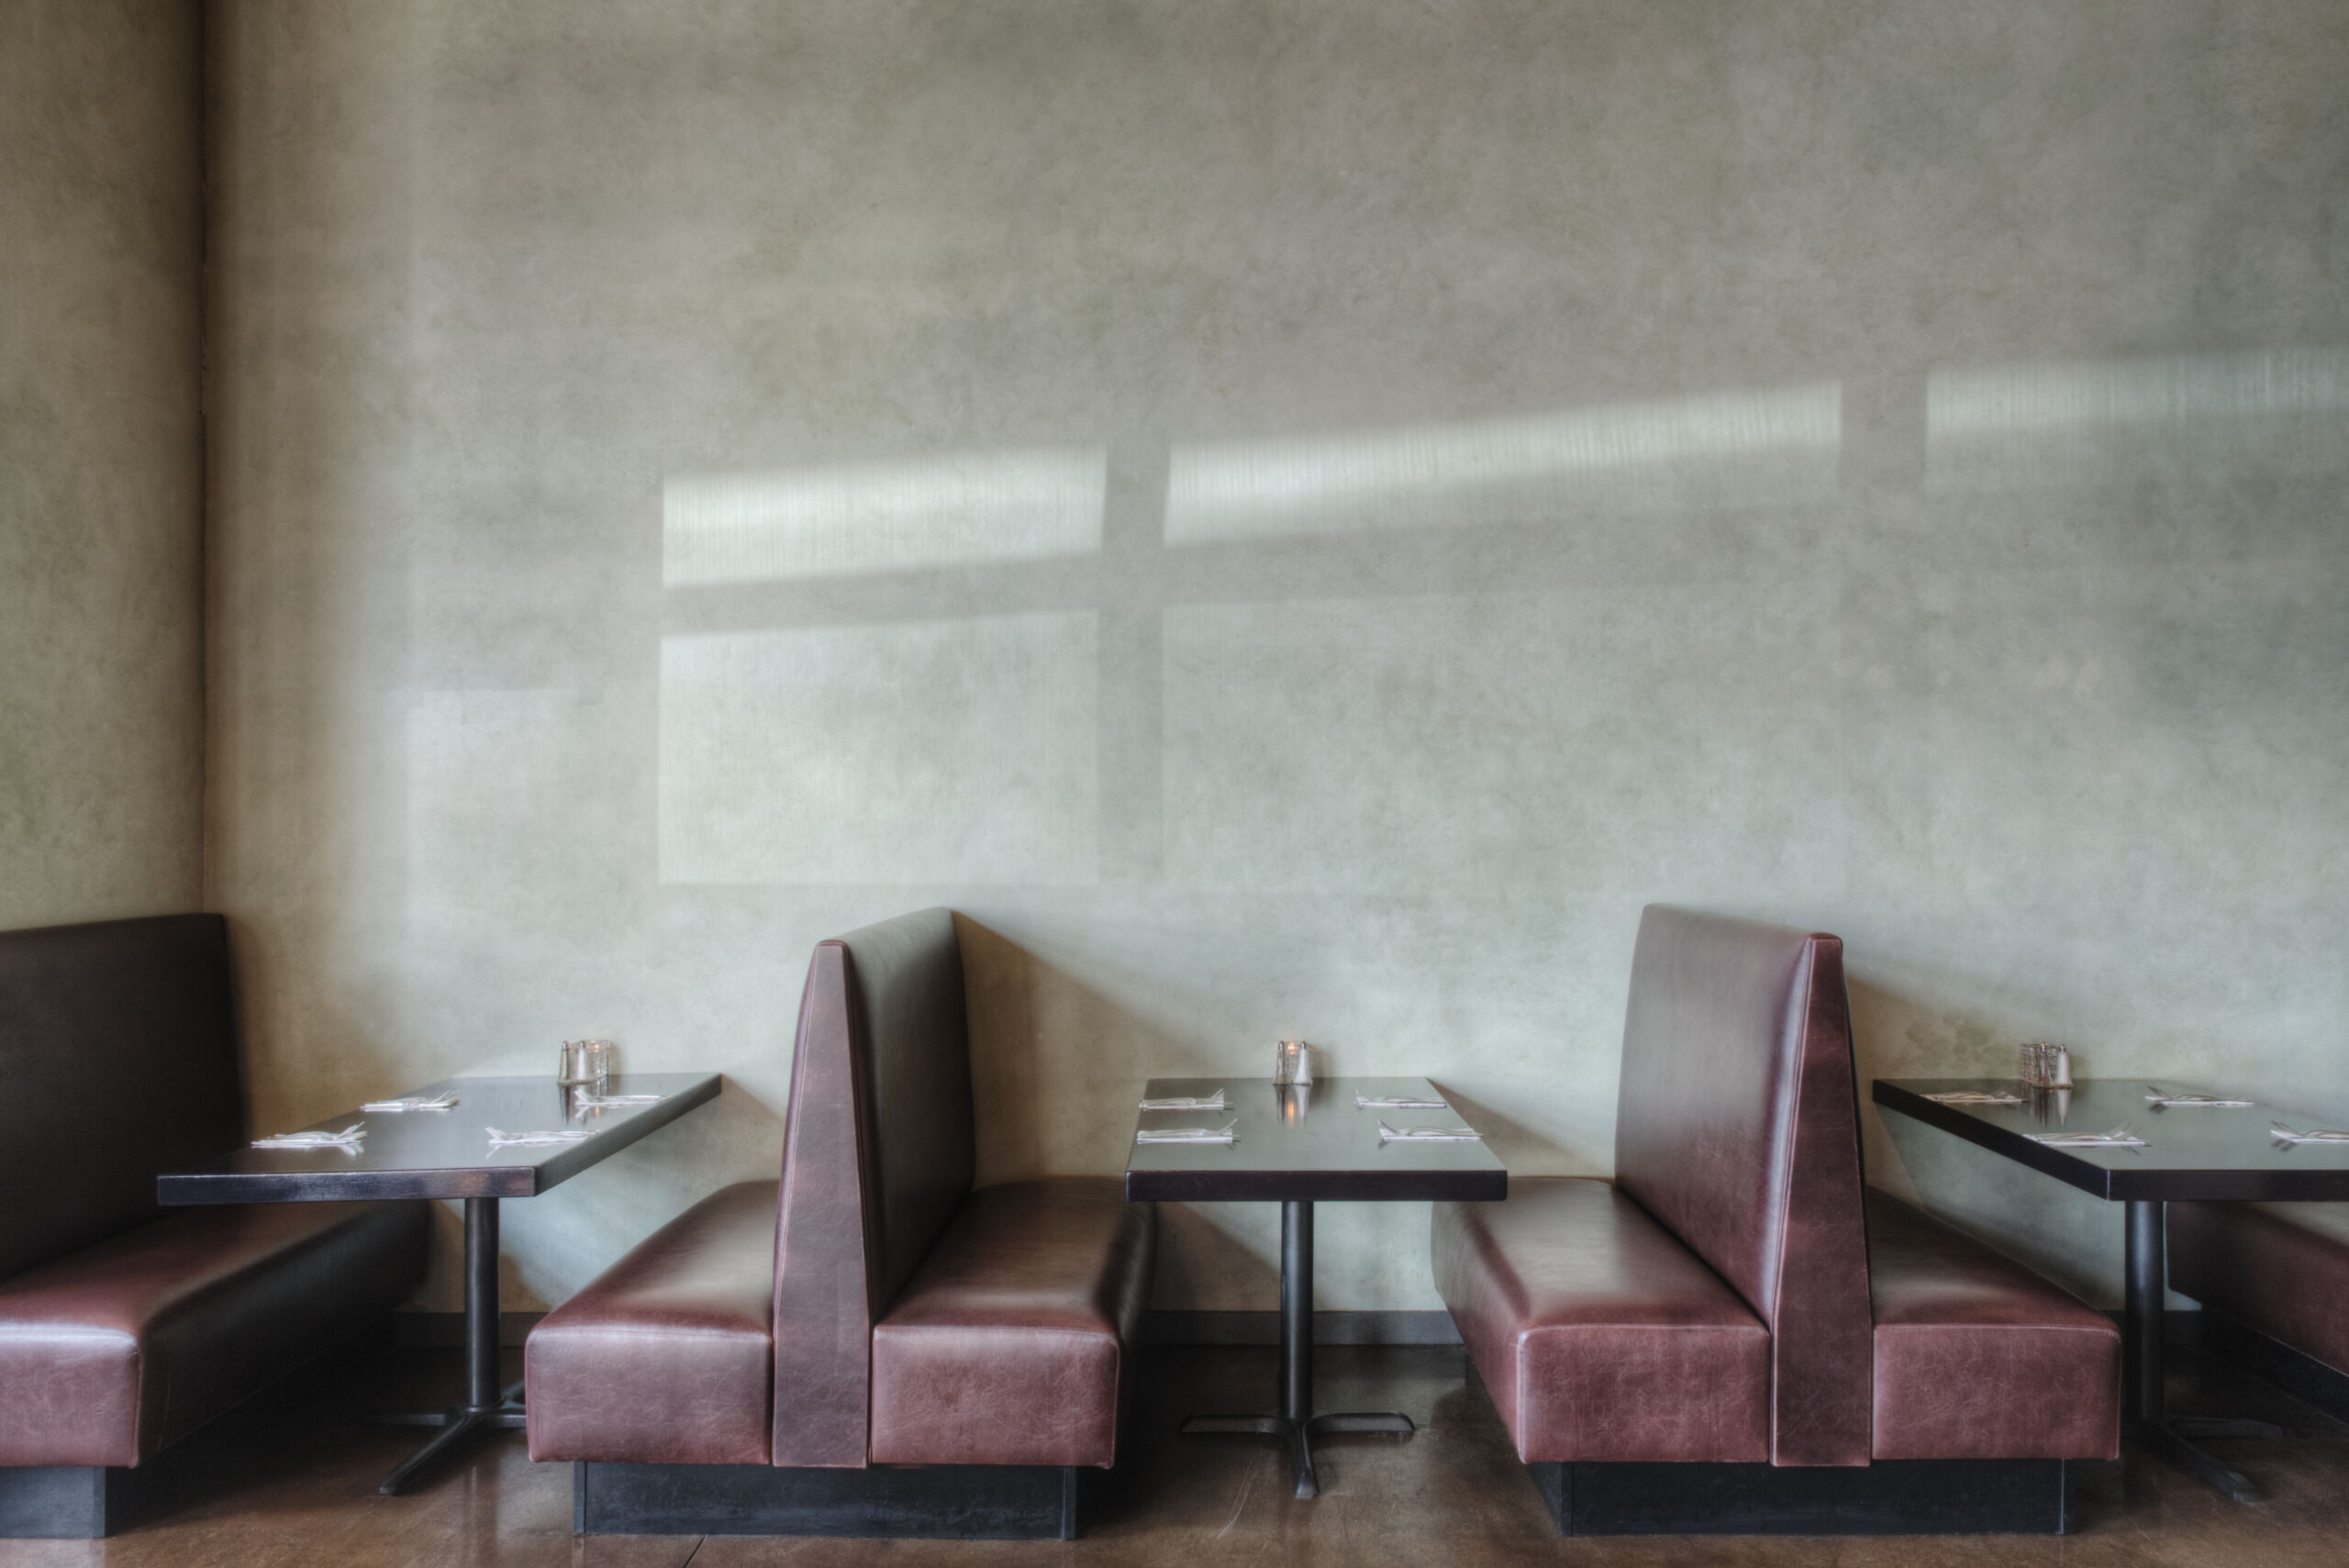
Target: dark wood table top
(410,1154)
(1306,1145)
(2189,1151)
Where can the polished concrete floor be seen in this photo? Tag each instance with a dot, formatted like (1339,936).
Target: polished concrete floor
(291,1481)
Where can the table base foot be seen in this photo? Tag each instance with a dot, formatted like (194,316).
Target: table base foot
(511,1399)
(457,1423)
(2168,1438)
(1299,1436)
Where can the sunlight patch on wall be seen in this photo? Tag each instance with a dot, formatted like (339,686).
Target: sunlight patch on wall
(1754,447)
(822,522)
(2012,426)
(958,751)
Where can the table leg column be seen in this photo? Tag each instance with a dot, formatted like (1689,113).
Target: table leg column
(1293,1422)
(486,1407)
(1296,1311)
(2144,1408)
(481,1303)
(2142,1389)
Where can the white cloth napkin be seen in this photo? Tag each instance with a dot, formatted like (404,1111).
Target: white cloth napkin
(2155,1098)
(587,1102)
(347,1140)
(2119,1137)
(1974,1098)
(440,1102)
(2283,1134)
(532,1139)
(1428,1134)
(1398,1102)
(1187,1134)
(1187,1103)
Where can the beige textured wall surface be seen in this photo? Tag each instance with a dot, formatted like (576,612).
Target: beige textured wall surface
(101,462)
(1293,519)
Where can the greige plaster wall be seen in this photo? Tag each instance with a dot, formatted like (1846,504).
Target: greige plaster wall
(101,462)
(1294,519)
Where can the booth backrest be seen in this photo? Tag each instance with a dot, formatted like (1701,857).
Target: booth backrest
(119,1054)
(878,1154)
(1736,1127)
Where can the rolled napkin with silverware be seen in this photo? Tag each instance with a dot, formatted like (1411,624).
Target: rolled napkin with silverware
(1974,1098)
(2119,1137)
(1398,1102)
(1187,1134)
(531,1140)
(415,1103)
(2283,1134)
(587,1102)
(2155,1098)
(348,1139)
(1428,1134)
(1187,1103)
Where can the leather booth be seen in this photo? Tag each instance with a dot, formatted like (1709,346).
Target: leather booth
(1700,1346)
(125,1326)
(1978,1358)
(2273,1281)
(781,1358)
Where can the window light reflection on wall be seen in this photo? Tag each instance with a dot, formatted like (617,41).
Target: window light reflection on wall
(2001,427)
(952,509)
(1745,448)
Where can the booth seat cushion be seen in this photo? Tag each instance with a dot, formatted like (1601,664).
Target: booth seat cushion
(1599,1336)
(1009,1341)
(1976,1357)
(113,1352)
(2279,1268)
(666,1358)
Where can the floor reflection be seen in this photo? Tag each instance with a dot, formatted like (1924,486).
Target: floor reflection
(291,1479)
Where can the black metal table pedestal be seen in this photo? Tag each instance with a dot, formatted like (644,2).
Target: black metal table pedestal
(2145,1417)
(487,1408)
(1295,1424)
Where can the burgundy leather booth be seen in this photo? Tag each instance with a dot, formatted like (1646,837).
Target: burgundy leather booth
(1711,1303)
(1976,1357)
(1699,1346)
(871,1310)
(125,1326)
(2273,1280)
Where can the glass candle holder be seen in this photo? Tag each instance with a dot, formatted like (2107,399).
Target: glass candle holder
(587,1062)
(1292,1062)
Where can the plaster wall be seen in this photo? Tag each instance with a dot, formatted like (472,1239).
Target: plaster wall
(1294,520)
(101,462)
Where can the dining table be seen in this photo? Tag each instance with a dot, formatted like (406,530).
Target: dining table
(2180,1142)
(494,1138)
(1329,1140)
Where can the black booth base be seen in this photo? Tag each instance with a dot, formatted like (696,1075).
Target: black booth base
(2302,1376)
(914,1502)
(71,1502)
(1892,1496)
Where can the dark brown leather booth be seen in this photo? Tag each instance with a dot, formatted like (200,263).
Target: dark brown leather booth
(1978,1358)
(1698,1347)
(779,1358)
(125,1326)
(2273,1281)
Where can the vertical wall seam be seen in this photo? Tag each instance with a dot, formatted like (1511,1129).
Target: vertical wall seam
(206,791)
